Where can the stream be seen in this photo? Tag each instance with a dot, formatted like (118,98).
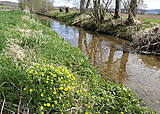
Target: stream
(140,73)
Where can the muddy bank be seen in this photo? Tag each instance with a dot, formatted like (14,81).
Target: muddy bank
(144,36)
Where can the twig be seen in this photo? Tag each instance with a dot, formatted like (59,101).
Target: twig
(20,99)
(10,110)
(9,79)
(101,108)
(3,106)
(73,108)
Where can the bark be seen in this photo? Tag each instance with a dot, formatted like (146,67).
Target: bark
(82,8)
(117,9)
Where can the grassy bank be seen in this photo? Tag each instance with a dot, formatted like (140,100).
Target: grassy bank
(143,34)
(42,73)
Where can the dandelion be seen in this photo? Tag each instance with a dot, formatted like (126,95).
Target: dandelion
(42,74)
(42,107)
(86,112)
(42,94)
(64,93)
(49,98)
(66,89)
(54,75)
(54,92)
(31,71)
(60,98)
(55,102)
(122,112)
(42,112)
(77,92)
(33,78)
(48,104)
(107,112)
(31,90)
(46,82)
(89,106)
(35,72)
(24,89)
(61,88)
(47,78)
(126,110)
(52,105)
(45,104)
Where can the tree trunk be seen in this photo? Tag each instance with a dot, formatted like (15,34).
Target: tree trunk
(116,15)
(82,8)
(132,11)
(87,5)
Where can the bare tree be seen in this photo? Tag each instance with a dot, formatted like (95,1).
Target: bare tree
(131,7)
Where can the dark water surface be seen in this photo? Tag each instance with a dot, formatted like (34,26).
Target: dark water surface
(141,73)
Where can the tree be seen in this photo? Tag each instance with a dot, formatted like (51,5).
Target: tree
(43,6)
(82,7)
(117,8)
(131,7)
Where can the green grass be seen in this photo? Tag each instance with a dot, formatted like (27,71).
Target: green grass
(149,20)
(43,73)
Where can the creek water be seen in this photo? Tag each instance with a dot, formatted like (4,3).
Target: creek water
(140,73)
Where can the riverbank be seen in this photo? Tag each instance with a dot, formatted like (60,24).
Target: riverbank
(143,34)
(41,72)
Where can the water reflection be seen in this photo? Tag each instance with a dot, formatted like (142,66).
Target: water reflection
(141,73)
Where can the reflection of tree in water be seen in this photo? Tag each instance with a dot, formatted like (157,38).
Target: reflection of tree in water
(150,61)
(122,70)
(96,52)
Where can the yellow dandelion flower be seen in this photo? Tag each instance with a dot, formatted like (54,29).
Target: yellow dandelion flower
(89,106)
(63,105)
(113,107)
(51,88)
(122,112)
(49,98)
(33,78)
(66,89)
(92,97)
(36,72)
(55,102)
(86,112)
(54,92)
(42,94)
(47,78)
(61,88)
(52,105)
(77,92)
(51,82)
(46,82)
(126,110)
(54,75)
(59,79)
(60,98)
(48,104)
(31,71)
(76,105)
(42,74)
(64,93)
(42,112)
(24,89)
(31,90)
(45,104)
(107,112)
(42,107)
(52,67)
